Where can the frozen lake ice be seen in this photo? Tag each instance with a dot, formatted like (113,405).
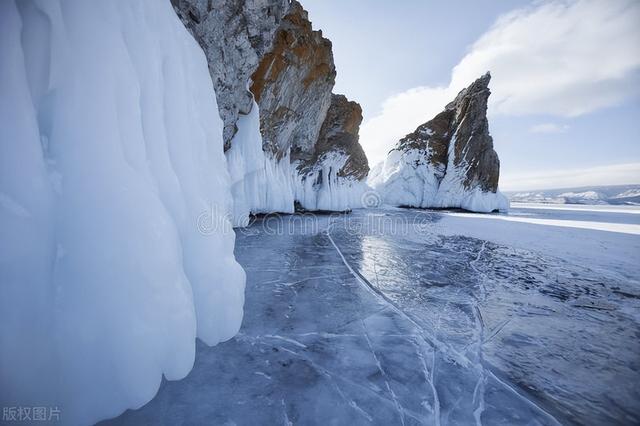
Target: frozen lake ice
(395,316)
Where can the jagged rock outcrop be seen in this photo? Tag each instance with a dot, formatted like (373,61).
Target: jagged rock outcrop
(448,161)
(284,155)
(235,35)
(339,138)
(292,86)
(332,176)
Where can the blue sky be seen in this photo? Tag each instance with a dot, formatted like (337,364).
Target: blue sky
(565,108)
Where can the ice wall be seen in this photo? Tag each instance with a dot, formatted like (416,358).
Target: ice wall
(323,189)
(259,184)
(116,251)
(406,178)
(262,184)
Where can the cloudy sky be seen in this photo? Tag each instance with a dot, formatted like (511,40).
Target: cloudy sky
(565,103)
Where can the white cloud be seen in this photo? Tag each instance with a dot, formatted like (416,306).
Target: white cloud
(549,128)
(401,114)
(617,174)
(563,58)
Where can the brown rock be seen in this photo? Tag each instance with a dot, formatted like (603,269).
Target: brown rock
(292,86)
(474,144)
(271,46)
(465,119)
(339,134)
(234,35)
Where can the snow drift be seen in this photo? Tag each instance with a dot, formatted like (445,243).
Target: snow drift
(116,249)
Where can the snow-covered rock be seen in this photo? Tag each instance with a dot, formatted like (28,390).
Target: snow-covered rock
(629,193)
(339,134)
(331,179)
(448,162)
(116,249)
(270,47)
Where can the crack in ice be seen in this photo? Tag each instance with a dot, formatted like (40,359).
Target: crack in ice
(399,406)
(462,359)
(429,377)
(333,376)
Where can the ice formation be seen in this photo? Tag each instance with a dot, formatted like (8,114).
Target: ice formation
(259,184)
(116,248)
(406,179)
(323,188)
(262,184)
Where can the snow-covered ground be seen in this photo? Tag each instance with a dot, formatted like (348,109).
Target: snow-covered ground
(395,316)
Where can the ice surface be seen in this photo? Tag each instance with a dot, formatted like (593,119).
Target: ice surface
(390,317)
(575,233)
(116,251)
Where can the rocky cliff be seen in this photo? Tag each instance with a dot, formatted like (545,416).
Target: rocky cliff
(293,84)
(447,162)
(235,35)
(274,74)
(339,137)
(332,174)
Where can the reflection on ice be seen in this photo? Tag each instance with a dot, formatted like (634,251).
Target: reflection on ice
(376,317)
(624,228)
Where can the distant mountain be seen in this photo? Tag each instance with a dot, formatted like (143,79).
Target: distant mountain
(613,194)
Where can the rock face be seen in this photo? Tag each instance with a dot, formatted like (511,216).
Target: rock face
(292,86)
(332,176)
(472,148)
(303,150)
(235,35)
(448,161)
(339,137)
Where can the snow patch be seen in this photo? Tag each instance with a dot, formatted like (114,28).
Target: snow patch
(589,195)
(628,193)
